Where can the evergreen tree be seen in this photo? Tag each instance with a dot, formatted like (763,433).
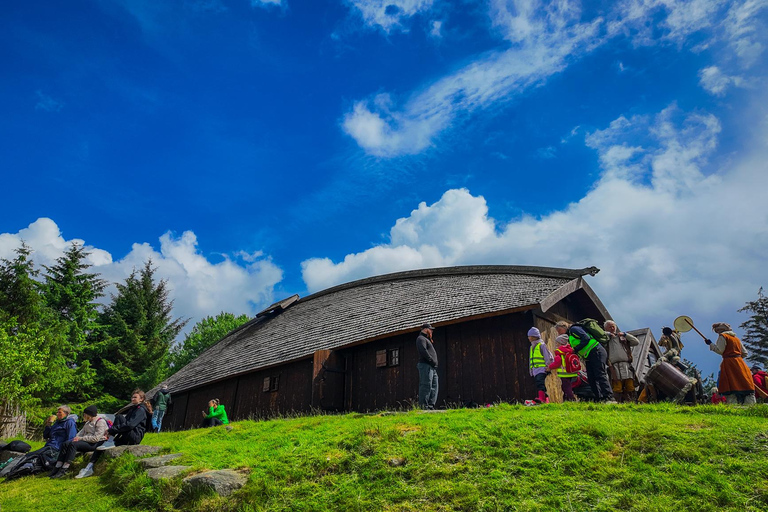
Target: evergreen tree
(756,329)
(204,334)
(20,296)
(70,292)
(138,330)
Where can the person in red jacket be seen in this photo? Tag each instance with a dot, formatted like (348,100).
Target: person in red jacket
(566,377)
(761,382)
(717,398)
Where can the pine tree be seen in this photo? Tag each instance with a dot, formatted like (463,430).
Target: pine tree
(138,330)
(70,292)
(20,296)
(204,334)
(756,329)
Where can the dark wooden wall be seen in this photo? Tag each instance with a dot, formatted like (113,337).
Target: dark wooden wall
(244,396)
(479,361)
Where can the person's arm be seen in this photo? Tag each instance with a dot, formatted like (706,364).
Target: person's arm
(98,435)
(71,429)
(216,413)
(718,347)
(633,342)
(557,362)
(421,345)
(548,359)
(133,420)
(580,334)
(47,432)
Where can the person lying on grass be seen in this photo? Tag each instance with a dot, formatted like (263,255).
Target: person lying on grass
(128,429)
(216,414)
(91,436)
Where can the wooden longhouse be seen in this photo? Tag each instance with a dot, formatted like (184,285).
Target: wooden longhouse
(352,347)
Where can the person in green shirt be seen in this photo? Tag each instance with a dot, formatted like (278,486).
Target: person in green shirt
(216,414)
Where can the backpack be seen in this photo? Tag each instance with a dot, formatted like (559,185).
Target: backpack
(572,363)
(593,328)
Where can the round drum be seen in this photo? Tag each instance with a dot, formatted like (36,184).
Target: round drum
(669,380)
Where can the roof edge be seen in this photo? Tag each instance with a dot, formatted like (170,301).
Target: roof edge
(565,273)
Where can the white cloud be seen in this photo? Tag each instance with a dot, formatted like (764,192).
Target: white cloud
(389,14)
(199,287)
(670,236)
(267,3)
(436,29)
(715,82)
(541,39)
(47,103)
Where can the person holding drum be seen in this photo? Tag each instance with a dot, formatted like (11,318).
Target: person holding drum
(735,382)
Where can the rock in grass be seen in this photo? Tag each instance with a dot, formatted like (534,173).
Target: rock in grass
(396,462)
(223,482)
(139,450)
(160,460)
(162,472)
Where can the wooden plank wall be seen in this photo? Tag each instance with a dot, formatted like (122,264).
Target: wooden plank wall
(481,361)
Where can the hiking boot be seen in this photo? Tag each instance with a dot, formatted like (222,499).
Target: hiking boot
(84,473)
(60,473)
(54,471)
(107,445)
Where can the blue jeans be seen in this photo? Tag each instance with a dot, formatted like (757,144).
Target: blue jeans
(427,386)
(157,418)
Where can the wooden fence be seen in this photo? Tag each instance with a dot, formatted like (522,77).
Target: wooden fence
(12,422)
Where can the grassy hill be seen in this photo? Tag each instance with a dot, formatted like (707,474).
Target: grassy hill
(554,457)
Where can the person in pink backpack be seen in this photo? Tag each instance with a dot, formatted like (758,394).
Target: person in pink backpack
(538,365)
(567,365)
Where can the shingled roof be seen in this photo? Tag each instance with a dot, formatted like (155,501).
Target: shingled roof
(372,308)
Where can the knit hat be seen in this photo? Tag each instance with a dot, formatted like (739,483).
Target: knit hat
(562,339)
(721,327)
(91,411)
(534,332)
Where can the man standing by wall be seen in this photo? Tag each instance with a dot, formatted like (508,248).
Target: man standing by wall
(427,366)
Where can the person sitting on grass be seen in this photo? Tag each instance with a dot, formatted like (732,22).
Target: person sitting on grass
(128,429)
(59,429)
(90,437)
(216,414)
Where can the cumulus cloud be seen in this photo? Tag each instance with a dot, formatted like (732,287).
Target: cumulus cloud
(540,39)
(436,29)
(670,235)
(199,287)
(714,81)
(389,15)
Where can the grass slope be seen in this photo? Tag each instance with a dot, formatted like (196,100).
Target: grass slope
(555,457)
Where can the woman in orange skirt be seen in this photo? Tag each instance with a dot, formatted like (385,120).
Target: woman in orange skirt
(735,378)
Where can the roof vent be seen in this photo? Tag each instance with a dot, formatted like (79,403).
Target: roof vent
(279,307)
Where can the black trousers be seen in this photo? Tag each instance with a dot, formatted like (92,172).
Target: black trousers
(70,448)
(131,437)
(212,422)
(598,378)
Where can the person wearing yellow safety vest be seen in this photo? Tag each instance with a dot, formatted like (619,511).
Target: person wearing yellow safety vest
(594,356)
(562,351)
(538,364)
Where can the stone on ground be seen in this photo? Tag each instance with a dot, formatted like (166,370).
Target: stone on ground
(139,450)
(160,460)
(223,482)
(162,472)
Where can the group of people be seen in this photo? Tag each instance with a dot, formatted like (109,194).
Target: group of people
(63,441)
(610,373)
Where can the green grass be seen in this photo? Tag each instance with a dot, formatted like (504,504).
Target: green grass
(556,457)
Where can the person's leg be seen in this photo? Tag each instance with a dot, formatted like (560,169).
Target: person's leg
(731,399)
(602,376)
(433,388)
(154,419)
(629,391)
(425,384)
(541,386)
(592,362)
(566,383)
(618,389)
(160,416)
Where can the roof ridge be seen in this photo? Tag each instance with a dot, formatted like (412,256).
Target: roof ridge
(565,273)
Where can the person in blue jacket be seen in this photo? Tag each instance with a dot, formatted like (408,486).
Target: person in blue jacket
(59,429)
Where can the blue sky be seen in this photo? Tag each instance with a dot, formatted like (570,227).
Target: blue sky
(258,149)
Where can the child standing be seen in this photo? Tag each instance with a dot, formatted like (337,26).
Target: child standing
(538,365)
(563,353)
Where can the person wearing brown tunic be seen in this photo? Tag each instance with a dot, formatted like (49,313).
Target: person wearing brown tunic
(735,381)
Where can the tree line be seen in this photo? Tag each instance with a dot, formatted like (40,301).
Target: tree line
(60,343)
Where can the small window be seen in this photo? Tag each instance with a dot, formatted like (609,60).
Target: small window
(271,383)
(388,357)
(393,357)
